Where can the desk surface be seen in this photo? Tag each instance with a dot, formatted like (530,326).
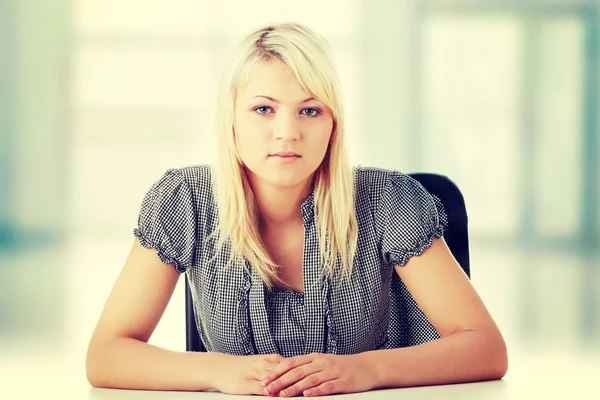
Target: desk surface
(541,376)
(508,388)
(479,390)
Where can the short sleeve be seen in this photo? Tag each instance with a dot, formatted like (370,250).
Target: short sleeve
(409,219)
(167,221)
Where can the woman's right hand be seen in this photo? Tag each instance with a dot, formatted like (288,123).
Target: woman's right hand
(243,374)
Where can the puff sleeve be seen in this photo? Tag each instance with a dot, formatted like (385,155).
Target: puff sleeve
(409,219)
(167,220)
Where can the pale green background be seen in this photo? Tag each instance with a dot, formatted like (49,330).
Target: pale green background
(98,98)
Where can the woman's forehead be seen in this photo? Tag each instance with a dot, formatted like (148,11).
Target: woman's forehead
(276,80)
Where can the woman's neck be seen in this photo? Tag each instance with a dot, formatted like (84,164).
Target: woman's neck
(280,207)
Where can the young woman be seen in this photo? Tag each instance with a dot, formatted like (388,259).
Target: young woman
(290,253)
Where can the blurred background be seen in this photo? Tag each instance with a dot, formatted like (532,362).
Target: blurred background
(99,98)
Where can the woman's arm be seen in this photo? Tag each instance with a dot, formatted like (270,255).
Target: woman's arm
(118,354)
(471,346)
(467,356)
(126,363)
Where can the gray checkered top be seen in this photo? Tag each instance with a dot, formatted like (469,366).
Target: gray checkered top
(235,314)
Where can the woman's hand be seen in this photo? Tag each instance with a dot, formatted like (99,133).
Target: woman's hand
(243,374)
(320,374)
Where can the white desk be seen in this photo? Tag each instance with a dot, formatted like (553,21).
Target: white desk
(531,376)
(508,388)
(480,390)
(549,377)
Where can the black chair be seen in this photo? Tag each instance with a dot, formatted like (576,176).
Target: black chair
(456,236)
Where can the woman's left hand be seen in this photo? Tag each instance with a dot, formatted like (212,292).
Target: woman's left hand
(319,374)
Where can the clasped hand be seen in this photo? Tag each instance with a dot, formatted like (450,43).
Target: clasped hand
(318,374)
(312,374)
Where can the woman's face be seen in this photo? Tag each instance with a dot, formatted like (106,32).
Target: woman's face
(281,133)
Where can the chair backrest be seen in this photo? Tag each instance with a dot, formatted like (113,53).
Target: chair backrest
(456,236)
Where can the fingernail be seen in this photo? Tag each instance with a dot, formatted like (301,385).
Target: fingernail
(283,393)
(266,390)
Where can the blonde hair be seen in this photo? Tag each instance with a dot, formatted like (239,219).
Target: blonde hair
(307,55)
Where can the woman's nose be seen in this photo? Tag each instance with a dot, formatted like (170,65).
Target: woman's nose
(286,128)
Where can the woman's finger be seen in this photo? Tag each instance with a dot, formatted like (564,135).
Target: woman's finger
(308,382)
(266,366)
(256,387)
(292,377)
(286,365)
(326,388)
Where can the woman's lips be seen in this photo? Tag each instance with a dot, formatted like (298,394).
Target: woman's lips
(284,158)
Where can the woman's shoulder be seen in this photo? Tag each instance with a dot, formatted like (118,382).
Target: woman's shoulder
(171,212)
(387,189)
(196,178)
(376,174)
(180,190)
(375,180)
(198,175)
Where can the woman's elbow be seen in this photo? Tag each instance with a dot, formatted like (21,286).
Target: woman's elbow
(92,370)
(497,356)
(96,365)
(502,365)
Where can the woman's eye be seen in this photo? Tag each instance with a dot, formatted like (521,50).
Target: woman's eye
(262,109)
(311,112)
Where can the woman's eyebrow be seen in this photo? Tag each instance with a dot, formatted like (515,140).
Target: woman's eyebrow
(276,101)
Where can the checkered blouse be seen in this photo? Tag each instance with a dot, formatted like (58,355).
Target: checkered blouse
(236,314)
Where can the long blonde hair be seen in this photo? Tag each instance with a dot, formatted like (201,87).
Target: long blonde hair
(307,55)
